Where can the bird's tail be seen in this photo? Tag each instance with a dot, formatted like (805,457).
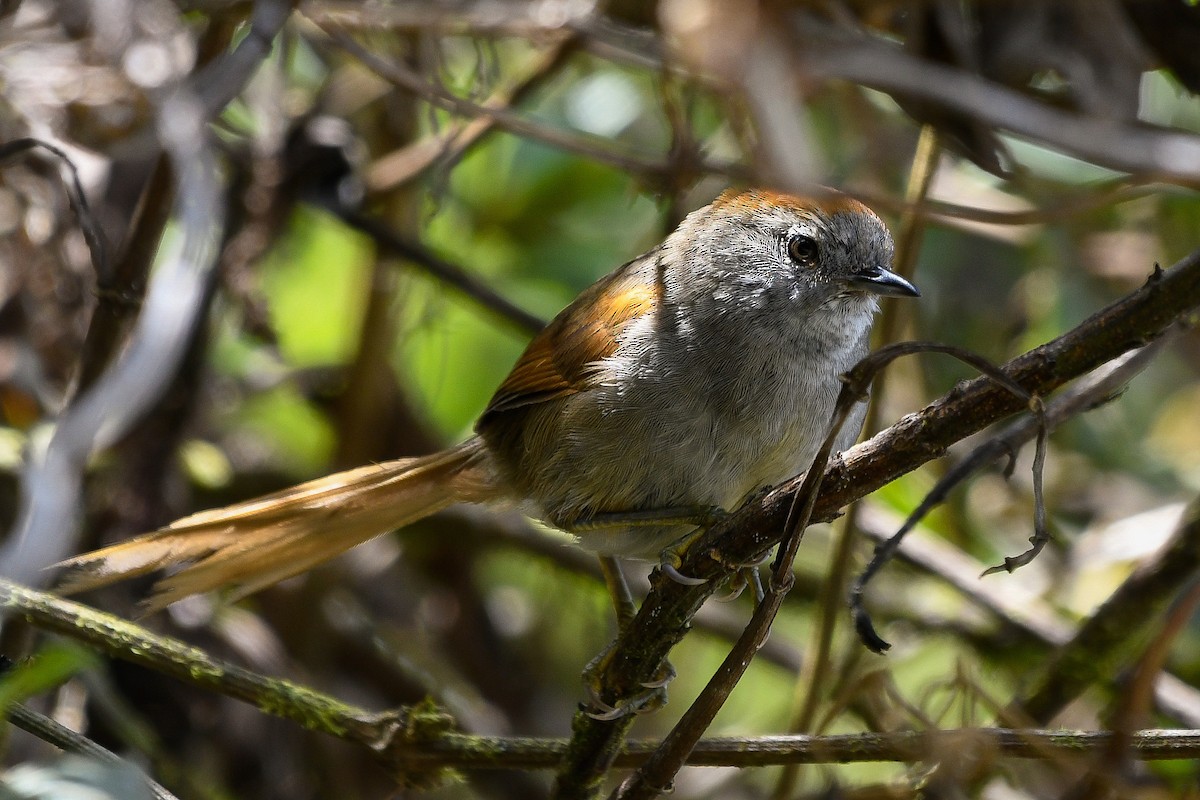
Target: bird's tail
(254,544)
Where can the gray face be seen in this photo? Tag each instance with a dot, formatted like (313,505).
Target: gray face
(808,253)
(837,247)
(845,255)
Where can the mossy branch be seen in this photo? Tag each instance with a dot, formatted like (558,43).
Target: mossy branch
(127,641)
(421,739)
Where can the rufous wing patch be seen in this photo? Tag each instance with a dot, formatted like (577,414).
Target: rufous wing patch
(556,362)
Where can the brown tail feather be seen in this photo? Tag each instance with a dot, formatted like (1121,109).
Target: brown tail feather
(253,544)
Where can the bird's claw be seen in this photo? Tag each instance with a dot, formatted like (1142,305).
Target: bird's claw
(641,703)
(742,577)
(674,574)
(672,557)
(644,702)
(666,675)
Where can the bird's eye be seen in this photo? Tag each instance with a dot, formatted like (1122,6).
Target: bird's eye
(803,250)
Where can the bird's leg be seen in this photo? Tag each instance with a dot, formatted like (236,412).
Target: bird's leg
(655,695)
(618,590)
(743,575)
(652,697)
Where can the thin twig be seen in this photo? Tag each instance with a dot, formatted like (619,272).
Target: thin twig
(444,271)
(523,20)
(65,739)
(1020,611)
(88,224)
(1087,394)
(495,752)
(1108,638)
(1134,703)
(510,531)
(119,290)
(448,146)
(588,146)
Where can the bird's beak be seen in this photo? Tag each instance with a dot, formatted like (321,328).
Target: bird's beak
(877,280)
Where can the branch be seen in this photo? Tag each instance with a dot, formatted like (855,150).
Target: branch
(454,750)
(642,648)
(449,273)
(133,643)
(1119,628)
(592,147)
(872,61)
(62,737)
(421,739)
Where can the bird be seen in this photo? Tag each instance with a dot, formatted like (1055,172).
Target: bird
(667,392)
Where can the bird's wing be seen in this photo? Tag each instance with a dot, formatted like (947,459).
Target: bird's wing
(557,361)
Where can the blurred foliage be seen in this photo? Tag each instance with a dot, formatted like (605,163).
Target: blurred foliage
(454,608)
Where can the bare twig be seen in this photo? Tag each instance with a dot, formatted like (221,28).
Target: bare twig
(1091,391)
(444,271)
(1142,149)
(590,147)
(457,750)
(1021,612)
(88,224)
(476,19)
(64,738)
(716,620)
(1133,705)
(1109,636)
(446,147)
(119,289)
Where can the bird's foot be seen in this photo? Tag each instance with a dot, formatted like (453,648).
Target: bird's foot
(651,697)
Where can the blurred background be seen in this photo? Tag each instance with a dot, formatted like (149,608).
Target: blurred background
(398,194)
